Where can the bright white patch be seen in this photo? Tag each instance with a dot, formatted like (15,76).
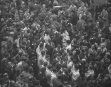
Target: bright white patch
(75,73)
(89,73)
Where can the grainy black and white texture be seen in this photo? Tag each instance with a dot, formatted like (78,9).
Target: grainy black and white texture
(55,43)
